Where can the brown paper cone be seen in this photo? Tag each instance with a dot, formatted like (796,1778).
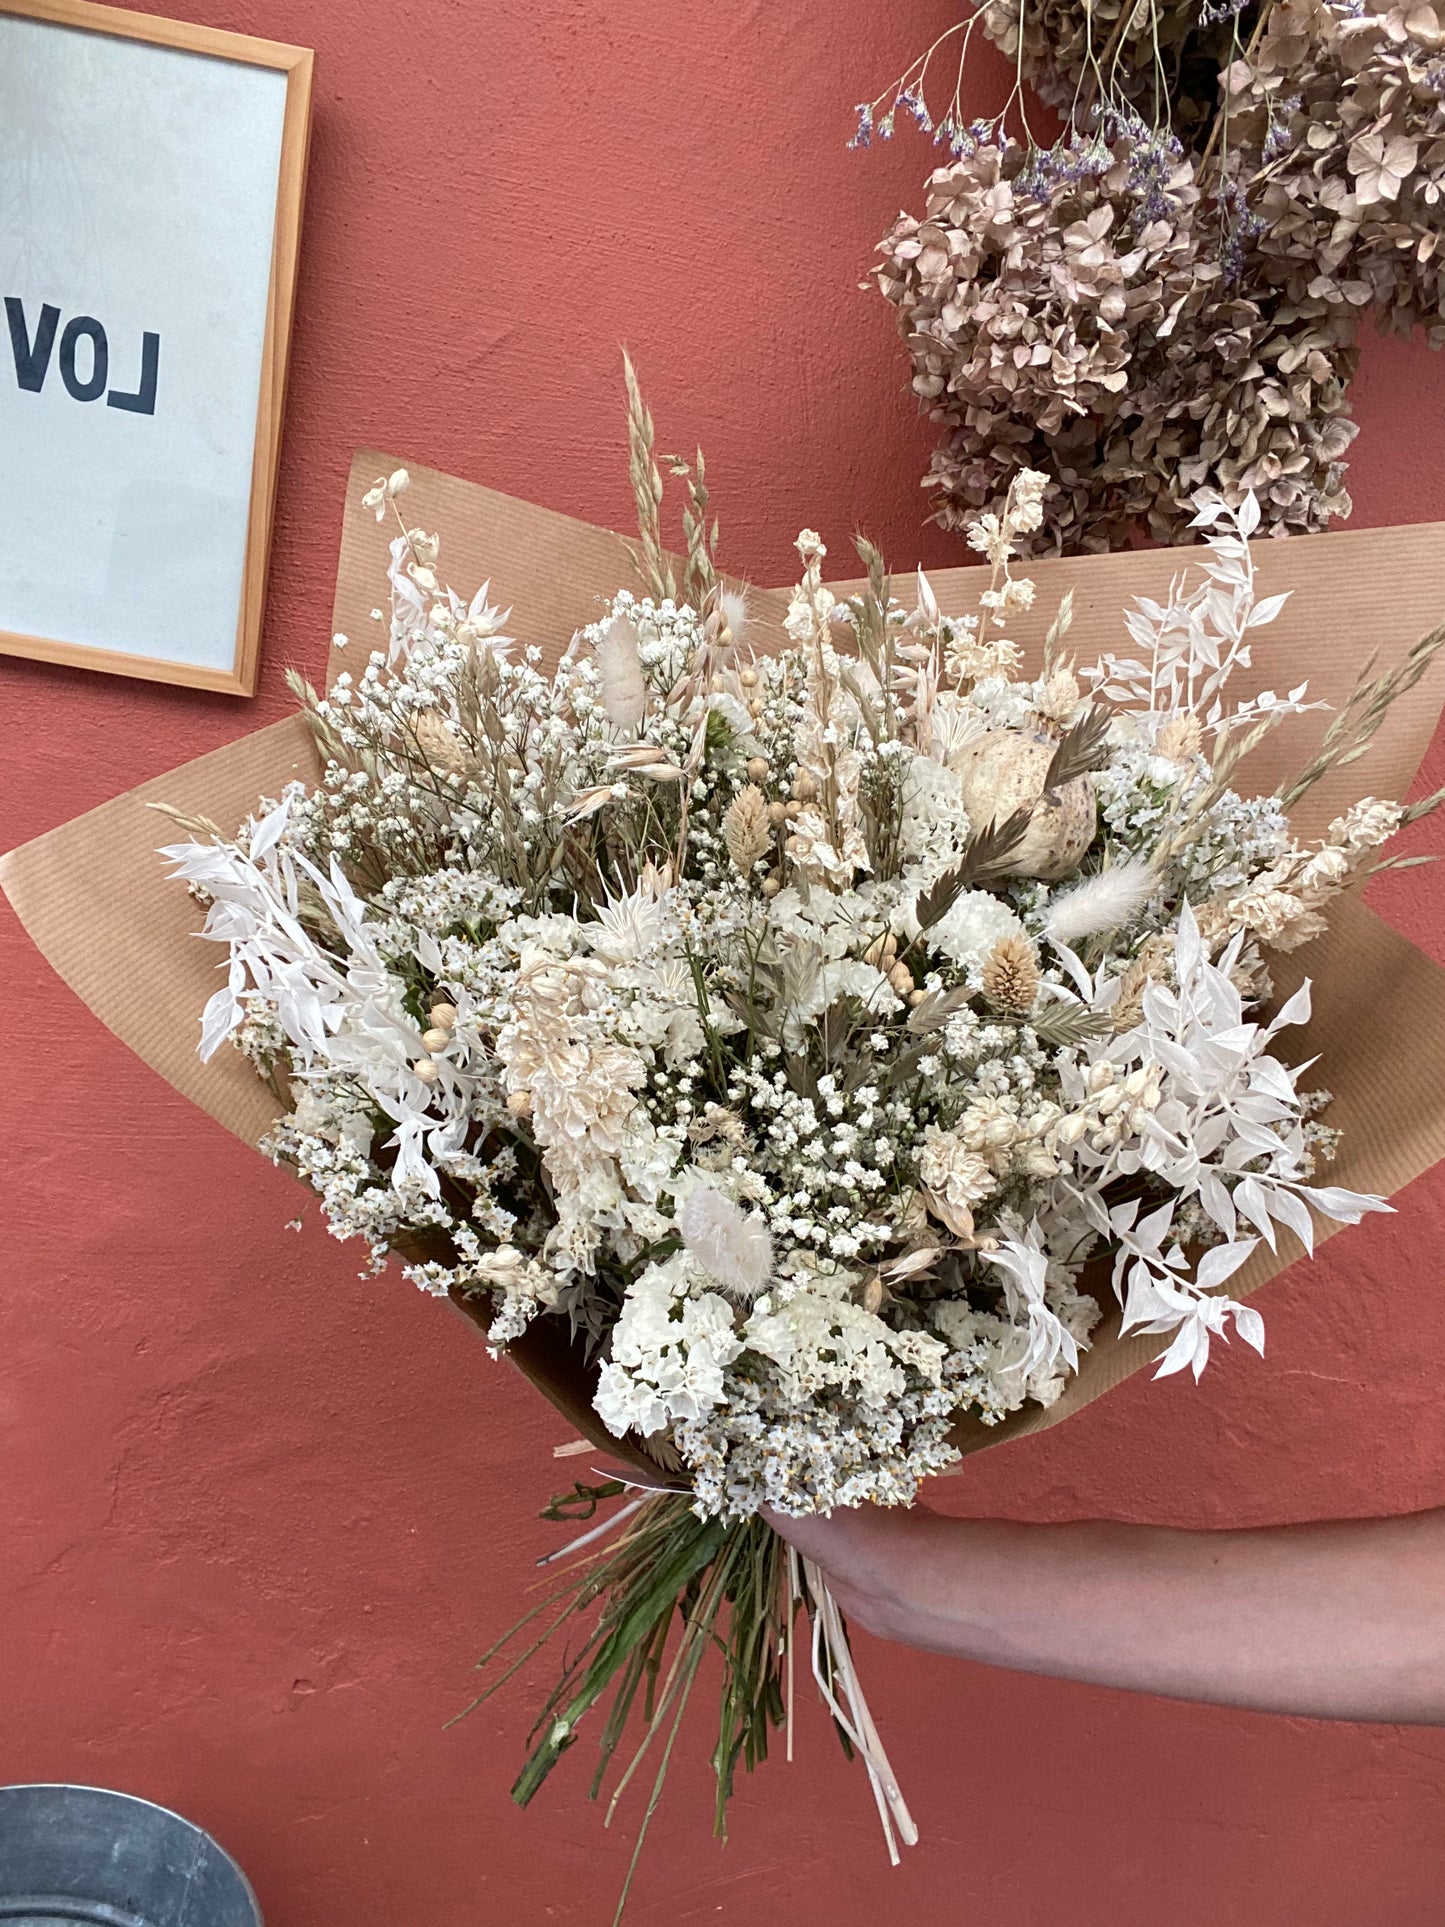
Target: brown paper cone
(95,898)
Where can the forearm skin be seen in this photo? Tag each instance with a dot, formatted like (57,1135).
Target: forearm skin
(1344,1620)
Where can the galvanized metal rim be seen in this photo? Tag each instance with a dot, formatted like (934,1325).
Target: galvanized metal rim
(101,1913)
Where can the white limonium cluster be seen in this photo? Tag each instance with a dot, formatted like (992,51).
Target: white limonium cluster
(816,1033)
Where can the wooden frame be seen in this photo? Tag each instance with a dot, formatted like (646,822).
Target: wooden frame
(296,64)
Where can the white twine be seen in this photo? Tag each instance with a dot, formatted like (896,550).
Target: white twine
(795,1591)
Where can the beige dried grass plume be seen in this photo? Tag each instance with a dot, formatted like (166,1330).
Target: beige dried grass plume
(746,829)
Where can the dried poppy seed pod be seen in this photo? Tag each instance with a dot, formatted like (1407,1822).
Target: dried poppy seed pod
(759,769)
(748,678)
(772,885)
(917,997)
(805,787)
(434,1040)
(901,978)
(426,1070)
(777,814)
(443,1016)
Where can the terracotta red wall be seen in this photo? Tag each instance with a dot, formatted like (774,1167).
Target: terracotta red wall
(259,1516)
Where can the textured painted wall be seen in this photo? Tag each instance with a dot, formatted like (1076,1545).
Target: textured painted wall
(258,1516)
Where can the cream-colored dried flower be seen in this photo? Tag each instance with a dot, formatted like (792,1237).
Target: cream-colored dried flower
(440,744)
(1058,698)
(1011,977)
(969,656)
(1277,918)
(1013,596)
(1326,872)
(954,1179)
(1181,738)
(1365,825)
(992,1131)
(717,1123)
(747,830)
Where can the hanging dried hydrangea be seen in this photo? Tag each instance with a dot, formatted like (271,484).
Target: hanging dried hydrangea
(1338,124)
(1069,311)
(1162,307)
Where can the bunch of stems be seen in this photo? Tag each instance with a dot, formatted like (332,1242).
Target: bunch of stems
(670,1589)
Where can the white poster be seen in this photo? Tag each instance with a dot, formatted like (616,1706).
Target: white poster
(138,204)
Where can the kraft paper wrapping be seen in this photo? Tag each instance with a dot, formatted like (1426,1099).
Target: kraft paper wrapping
(95,898)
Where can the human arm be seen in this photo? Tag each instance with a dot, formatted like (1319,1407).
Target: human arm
(1340,1620)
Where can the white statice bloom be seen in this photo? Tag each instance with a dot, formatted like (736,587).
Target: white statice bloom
(821,986)
(969,929)
(672,1340)
(820,1339)
(832,924)
(935,824)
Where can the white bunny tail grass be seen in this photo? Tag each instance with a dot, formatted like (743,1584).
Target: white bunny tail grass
(1101,902)
(735,612)
(726,1241)
(624,692)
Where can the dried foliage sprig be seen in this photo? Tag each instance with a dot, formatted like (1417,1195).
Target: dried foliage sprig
(1356,726)
(652,562)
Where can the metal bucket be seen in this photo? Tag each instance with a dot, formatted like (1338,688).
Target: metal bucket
(73,1854)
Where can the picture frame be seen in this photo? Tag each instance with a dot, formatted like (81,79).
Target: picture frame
(152,174)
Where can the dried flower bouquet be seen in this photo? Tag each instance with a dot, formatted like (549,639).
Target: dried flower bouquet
(805,1038)
(788,1020)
